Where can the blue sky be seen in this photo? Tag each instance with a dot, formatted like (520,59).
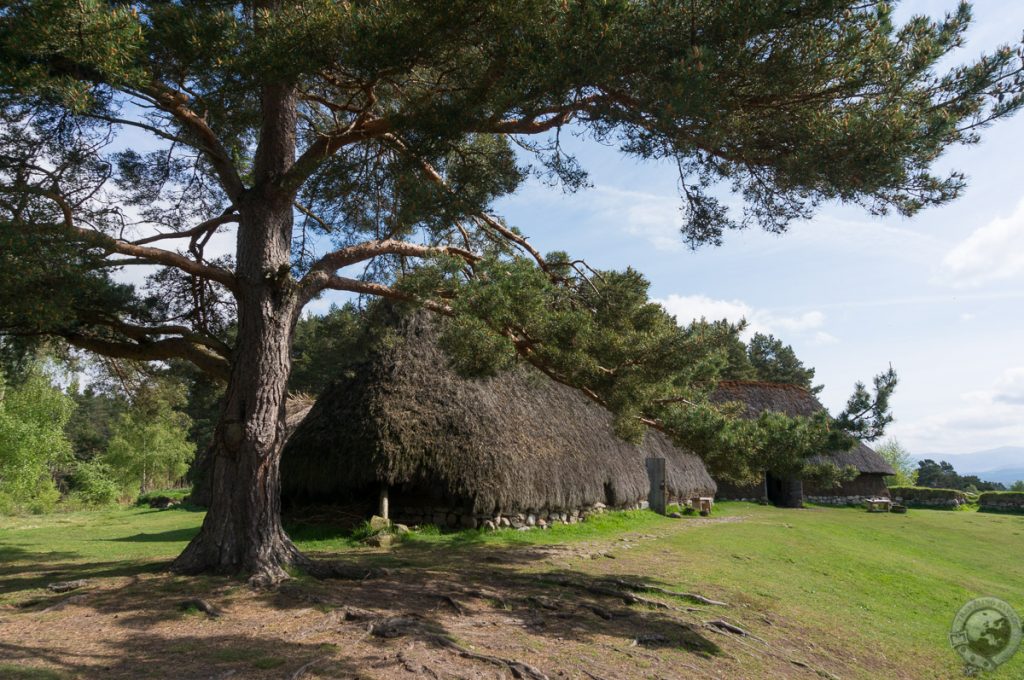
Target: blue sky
(938,296)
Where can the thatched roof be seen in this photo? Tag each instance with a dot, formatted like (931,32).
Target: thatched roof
(513,442)
(794,400)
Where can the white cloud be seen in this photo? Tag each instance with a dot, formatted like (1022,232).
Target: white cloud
(1009,389)
(807,325)
(651,217)
(834,234)
(992,252)
(984,418)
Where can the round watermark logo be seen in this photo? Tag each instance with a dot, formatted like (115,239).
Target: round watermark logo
(986,633)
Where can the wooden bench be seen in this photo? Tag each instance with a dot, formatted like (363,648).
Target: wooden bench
(878,504)
(702,504)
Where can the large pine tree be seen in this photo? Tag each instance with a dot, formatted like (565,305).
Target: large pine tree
(132,133)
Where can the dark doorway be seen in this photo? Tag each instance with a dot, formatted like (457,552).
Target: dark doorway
(785,492)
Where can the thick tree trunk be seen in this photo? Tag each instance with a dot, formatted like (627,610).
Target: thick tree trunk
(242,532)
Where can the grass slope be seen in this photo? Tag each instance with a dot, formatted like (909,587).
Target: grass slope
(876,591)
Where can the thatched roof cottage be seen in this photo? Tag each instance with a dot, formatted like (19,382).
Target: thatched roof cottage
(794,400)
(450,450)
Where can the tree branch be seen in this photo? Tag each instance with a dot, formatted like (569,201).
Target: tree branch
(326,145)
(369,288)
(319,275)
(226,217)
(160,256)
(114,245)
(175,103)
(157,350)
(481,217)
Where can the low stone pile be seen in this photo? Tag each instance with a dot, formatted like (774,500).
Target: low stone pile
(449,518)
(837,500)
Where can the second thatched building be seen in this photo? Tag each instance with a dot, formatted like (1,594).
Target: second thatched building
(788,491)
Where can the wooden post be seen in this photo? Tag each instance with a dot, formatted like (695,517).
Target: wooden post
(384,501)
(657,496)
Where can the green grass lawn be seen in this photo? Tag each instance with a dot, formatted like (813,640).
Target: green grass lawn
(871,585)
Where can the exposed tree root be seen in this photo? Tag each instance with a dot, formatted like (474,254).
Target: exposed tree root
(600,611)
(645,588)
(400,626)
(819,671)
(541,602)
(767,650)
(335,569)
(205,555)
(734,629)
(65,586)
(519,669)
(453,603)
(301,670)
(626,597)
(396,626)
(486,595)
(416,668)
(200,604)
(74,599)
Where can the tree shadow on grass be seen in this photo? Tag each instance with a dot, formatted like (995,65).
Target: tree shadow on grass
(24,570)
(170,536)
(187,657)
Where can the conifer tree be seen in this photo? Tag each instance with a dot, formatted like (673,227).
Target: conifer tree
(133,133)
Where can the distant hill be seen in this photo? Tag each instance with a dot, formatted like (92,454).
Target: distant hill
(1004,464)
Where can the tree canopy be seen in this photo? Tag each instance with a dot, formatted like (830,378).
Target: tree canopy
(405,117)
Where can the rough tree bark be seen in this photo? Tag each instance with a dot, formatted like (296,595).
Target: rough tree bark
(242,531)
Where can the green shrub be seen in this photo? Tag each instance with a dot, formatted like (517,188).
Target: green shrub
(32,442)
(922,495)
(174,494)
(93,483)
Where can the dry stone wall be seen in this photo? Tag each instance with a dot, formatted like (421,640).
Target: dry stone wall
(452,518)
(1001,501)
